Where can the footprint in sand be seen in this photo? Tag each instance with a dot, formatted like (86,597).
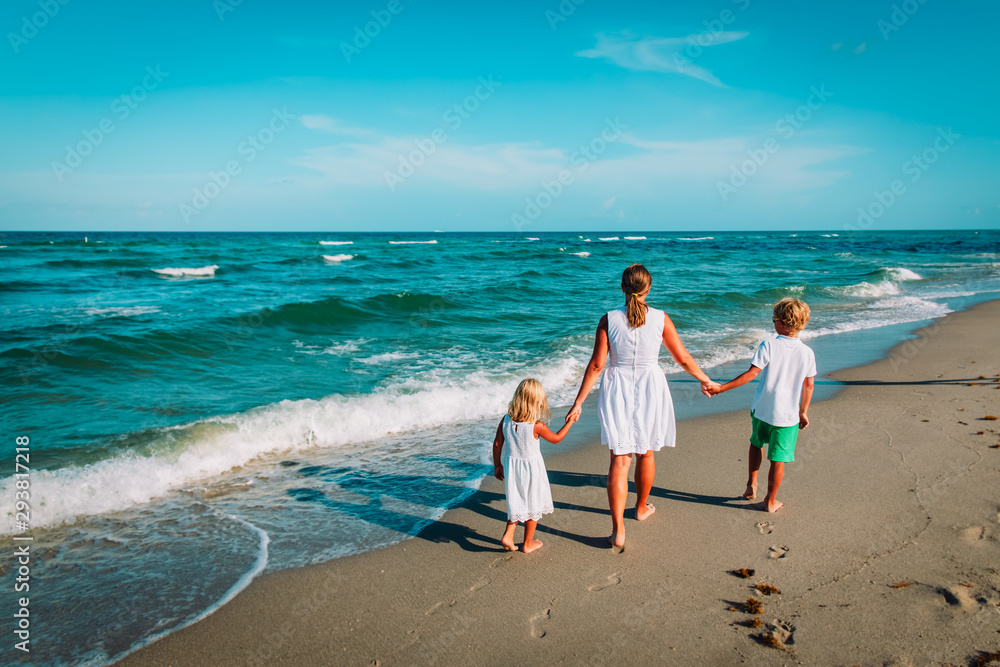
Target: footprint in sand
(972,534)
(782,631)
(959,596)
(538,622)
(613,580)
(777,552)
(482,583)
(500,561)
(439,606)
(765,527)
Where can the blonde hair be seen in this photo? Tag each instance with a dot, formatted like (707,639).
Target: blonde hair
(635,281)
(793,313)
(529,403)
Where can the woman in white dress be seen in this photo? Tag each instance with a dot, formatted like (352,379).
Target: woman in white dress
(634,404)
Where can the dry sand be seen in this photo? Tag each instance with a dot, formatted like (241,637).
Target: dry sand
(887,550)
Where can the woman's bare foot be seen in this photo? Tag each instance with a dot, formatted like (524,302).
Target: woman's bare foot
(642,513)
(617,545)
(507,541)
(751,492)
(533,545)
(774,506)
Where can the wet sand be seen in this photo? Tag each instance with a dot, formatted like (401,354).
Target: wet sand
(887,550)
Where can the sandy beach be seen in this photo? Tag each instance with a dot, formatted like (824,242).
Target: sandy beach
(887,550)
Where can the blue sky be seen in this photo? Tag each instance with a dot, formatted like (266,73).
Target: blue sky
(516,116)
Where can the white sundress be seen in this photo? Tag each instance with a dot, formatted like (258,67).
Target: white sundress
(525,481)
(633,403)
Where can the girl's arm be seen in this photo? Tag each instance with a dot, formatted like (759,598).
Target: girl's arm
(680,354)
(594,368)
(738,381)
(497,448)
(543,431)
(807,394)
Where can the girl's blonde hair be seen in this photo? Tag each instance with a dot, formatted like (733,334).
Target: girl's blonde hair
(793,313)
(635,281)
(529,403)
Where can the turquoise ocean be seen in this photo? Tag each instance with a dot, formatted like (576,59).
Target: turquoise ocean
(203,408)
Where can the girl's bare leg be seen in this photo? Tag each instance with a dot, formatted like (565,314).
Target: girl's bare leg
(755,457)
(530,543)
(645,471)
(508,537)
(617,495)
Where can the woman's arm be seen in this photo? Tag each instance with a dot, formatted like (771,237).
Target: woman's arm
(594,368)
(497,448)
(680,354)
(543,431)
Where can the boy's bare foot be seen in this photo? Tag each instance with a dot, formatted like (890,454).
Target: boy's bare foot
(751,492)
(617,545)
(642,513)
(531,546)
(769,506)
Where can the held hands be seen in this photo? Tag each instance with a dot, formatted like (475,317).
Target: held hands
(574,414)
(711,388)
(498,472)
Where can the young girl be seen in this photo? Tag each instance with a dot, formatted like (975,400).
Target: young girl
(522,469)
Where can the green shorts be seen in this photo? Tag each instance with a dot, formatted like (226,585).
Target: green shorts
(780,440)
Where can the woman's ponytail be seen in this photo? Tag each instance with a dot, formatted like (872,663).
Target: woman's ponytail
(636,280)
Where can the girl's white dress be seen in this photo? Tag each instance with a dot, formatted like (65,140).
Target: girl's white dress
(524,478)
(633,403)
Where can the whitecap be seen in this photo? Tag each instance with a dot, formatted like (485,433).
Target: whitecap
(336,259)
(202,271)
(336,242)
(411,242)
(581,254)
(696,238)
(635,238)
(608,238)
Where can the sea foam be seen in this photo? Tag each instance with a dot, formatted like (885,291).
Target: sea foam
(337,258)
(202,271)
(206,449)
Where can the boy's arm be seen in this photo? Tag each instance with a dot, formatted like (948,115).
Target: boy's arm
(543,431)
(738,381)
(497,448)
(807,394)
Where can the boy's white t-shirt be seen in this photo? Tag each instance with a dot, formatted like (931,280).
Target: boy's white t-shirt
(785,362)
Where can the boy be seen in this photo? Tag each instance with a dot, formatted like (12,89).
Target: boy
(780,406)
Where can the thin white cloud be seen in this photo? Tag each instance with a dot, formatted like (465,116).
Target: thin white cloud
(333,126)
(660,54)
